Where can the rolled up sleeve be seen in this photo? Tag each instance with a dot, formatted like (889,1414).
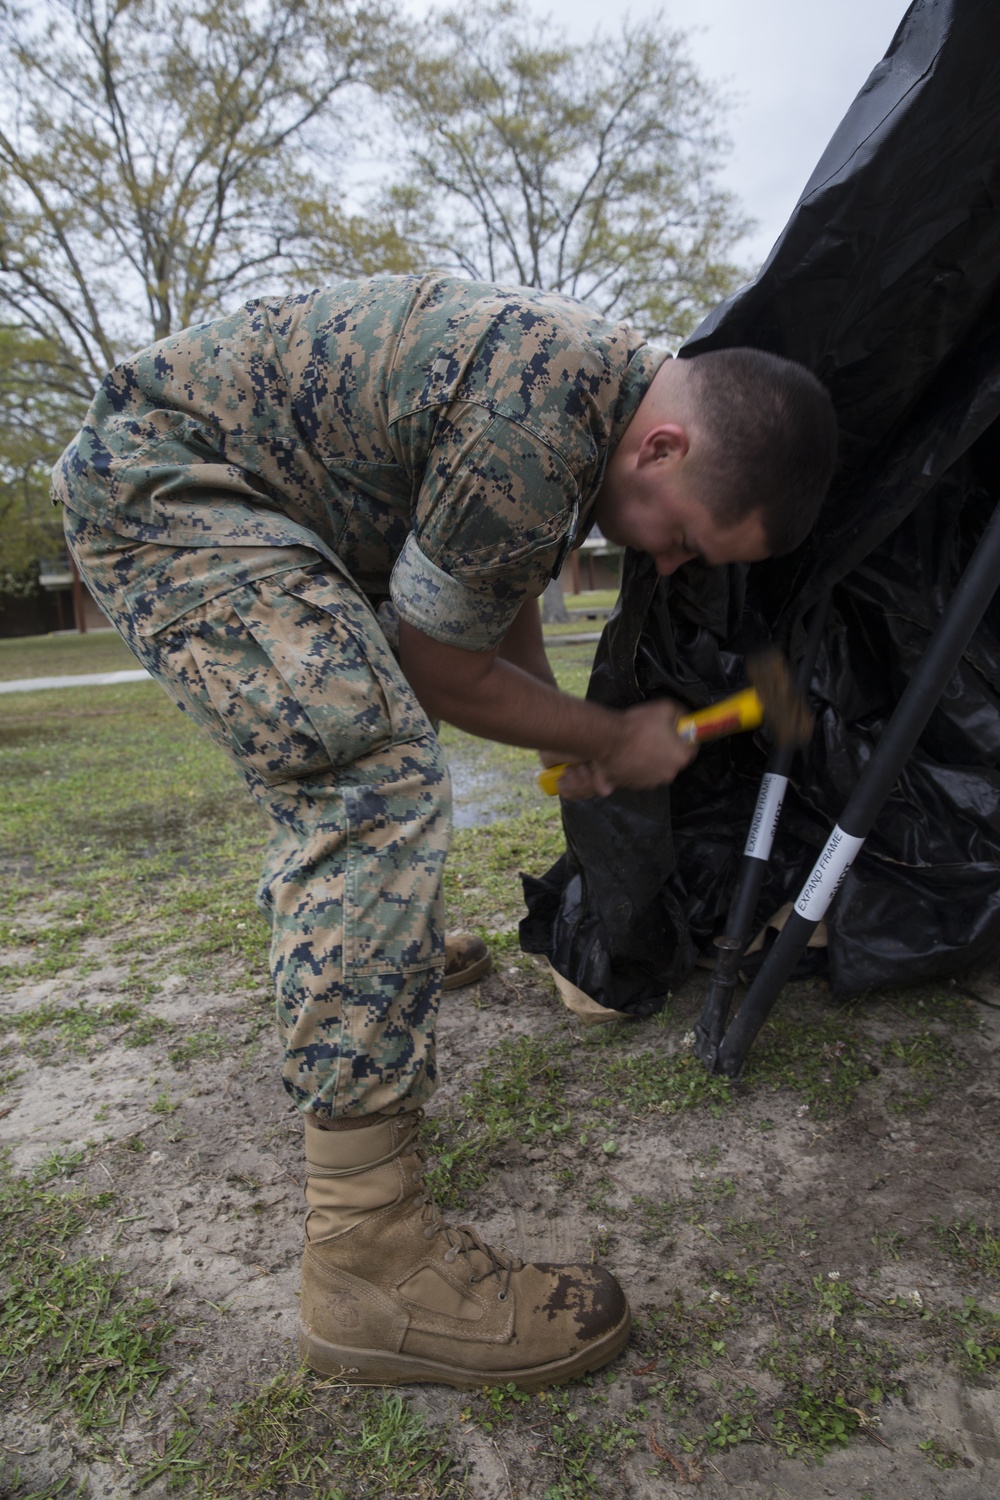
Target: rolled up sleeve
(496,513)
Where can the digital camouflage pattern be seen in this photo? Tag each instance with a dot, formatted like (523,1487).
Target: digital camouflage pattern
(292,677)
(241,499)
(446,435)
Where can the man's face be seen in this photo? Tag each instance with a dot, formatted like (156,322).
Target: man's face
(649,509)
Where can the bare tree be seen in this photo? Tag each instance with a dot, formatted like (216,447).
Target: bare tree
(157,159)
(38,417)
(587,170)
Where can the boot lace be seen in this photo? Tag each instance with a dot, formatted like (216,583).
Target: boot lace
(462,1238)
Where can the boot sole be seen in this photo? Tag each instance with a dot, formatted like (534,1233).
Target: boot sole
(468,975)
(383,1367)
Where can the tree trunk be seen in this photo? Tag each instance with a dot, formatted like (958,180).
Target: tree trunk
(554,610)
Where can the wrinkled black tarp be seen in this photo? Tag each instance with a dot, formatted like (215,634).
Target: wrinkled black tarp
(886,283)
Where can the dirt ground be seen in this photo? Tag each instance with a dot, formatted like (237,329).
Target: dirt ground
(210,1221)
(813,1254)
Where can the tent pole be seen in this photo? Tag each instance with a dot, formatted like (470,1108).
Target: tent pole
(965,610)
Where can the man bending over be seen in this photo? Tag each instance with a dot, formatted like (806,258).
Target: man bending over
(248,500)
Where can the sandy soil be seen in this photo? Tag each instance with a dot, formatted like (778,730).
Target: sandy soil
(209,1217)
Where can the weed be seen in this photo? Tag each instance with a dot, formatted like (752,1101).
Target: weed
(658,1216)
(656,1081)
(519,1094)
(973,1246)
(729,1429)
(940,1455)
(11,1076)
(951,1005)
(323,1440)
(163,1104)
(578,1449)
(832,1371)
(56,1164)
(67,1331)
(888,1243)
(821,1058)
(925,1060)
(975,1338)
(502,1402)
(197,1044)
(75,1026)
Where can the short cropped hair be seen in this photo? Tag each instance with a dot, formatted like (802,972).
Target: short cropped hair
(772,441)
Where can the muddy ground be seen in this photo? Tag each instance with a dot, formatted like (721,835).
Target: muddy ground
(813,1254)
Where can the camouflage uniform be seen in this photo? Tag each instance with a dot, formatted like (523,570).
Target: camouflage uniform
(242,498)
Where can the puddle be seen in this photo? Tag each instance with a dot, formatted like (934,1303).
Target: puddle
(480,794)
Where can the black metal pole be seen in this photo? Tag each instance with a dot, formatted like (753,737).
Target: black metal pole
(753,867)
(966,608)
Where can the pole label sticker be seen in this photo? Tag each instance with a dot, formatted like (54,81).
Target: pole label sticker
(830,869)
(765,816)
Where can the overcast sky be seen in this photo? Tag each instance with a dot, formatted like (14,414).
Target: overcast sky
(793,65)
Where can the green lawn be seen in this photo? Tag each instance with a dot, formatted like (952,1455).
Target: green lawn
(60,655)
(104,651)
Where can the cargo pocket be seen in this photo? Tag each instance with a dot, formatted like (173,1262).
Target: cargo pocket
(355,624)
(290,688)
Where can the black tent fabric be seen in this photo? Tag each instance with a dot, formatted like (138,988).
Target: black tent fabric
(886,283)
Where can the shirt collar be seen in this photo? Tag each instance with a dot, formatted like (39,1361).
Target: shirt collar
(636,381)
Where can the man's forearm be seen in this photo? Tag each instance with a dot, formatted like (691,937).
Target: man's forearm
(489,695)
(510,695)
(516,707)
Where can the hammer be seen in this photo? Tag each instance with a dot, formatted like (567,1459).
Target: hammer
(773,699)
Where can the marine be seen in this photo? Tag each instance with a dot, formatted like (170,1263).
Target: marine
(323,524)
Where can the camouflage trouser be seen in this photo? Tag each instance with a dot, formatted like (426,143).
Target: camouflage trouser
(291,675)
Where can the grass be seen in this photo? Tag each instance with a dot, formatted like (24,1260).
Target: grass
(294,1432)
(127,841)
(66,653)
(70,1334)
(974,1247)
(518,1095)
(63,655)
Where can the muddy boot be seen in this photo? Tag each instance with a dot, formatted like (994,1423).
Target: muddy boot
(466,959)
(393,1294)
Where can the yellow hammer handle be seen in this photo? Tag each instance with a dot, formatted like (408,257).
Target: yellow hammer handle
(550,778)
(741,711)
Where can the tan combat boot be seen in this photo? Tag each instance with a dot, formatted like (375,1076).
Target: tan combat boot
(392,1294)
(466,959)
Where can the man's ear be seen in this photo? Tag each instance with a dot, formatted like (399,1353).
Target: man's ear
(666,443)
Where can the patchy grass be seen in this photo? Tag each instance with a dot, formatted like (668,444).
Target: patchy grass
(519,1095)
(129,846)
(824,1057)
(919,1064)
(76,1027)
(70,1333)
(63,655)
(297,1435)
(974,1247)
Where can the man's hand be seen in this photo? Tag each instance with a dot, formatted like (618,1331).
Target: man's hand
(650,754)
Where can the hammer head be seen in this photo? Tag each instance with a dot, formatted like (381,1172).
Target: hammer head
(786,713)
